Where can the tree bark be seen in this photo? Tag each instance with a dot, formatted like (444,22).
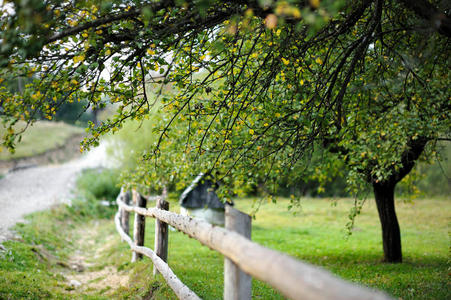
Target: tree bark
(391,236)
(384,192)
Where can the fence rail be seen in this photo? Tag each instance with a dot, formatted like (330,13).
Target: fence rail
(293,278)
(181,290)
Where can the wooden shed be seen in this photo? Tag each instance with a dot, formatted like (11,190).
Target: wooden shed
(200,200)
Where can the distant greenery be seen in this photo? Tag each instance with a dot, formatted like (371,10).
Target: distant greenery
(39,138)
(436,179)
(99,184)
(127,145)
(74,113)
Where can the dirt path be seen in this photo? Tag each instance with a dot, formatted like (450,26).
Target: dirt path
(28,190)
(87,273)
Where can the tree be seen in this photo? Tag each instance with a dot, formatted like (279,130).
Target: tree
(261,84)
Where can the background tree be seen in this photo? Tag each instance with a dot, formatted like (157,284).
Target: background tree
(261,84)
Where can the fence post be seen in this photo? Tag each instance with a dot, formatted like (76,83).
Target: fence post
(139,224)
(237,284)
(125,215)
(161,231)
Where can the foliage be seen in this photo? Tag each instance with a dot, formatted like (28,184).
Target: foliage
(128,145)
(16,85)
(273,77)
(97,185)
(68,112)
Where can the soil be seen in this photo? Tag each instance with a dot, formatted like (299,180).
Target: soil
(85,275)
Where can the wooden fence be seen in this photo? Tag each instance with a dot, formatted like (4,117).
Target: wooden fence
(243,258)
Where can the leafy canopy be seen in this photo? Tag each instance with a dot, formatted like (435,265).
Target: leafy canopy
(246,90)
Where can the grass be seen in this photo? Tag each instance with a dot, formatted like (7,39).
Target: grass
(28,271)
(315,234)
(37,265)
(39,138)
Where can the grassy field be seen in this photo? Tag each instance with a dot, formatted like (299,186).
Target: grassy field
(39,138)
(315,234)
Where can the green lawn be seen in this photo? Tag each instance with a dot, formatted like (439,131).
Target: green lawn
(39,138)
(315,234)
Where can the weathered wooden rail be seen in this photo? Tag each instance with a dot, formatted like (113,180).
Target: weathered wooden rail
(293,278)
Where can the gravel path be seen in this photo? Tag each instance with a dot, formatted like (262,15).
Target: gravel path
(33,189)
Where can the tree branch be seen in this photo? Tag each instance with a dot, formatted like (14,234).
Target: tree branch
(132,13)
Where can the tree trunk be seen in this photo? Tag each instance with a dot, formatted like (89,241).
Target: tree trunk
(391,236)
